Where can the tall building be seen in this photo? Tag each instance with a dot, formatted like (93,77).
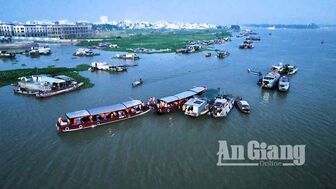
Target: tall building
(103,19)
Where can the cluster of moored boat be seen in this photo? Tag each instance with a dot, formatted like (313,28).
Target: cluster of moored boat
(192,102)
(277,77)
(34,51)
(43,86)
(250,36)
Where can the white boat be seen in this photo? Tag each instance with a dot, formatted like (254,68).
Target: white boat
(270,80)
(44,50)
(196,107)
(242,105)
(283,84)
(129,56)
(271,28)
(137,82)
(222,106)
(292,69)
(285,68)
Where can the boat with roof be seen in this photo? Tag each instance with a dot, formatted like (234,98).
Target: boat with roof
(196,107)
(90,118)
(171,103)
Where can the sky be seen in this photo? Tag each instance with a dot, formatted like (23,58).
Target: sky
(209,11)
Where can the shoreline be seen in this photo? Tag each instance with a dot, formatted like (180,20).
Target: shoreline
(10,76)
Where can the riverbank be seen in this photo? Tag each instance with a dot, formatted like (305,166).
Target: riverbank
(161,41)
(8,77)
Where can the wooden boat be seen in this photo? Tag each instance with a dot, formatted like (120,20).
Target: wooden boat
(54,93)
(90,118)
(242,105)
(171,103)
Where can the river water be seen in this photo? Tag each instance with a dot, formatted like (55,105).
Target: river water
(175,151)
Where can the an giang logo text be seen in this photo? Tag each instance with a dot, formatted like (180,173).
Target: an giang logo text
(260,154)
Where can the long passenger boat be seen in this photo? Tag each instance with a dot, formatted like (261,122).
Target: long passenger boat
(91,118)
(171,103)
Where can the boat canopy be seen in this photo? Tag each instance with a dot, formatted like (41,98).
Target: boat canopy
(64,77)
(197,89)
(195,102)
(169,99)
(132,103)
(106,109)
(51,79)
(185,94)
(80,113)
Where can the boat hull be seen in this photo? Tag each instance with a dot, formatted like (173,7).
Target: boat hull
(45,95)
(94,124)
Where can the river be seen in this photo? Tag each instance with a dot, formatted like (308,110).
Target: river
(173,150)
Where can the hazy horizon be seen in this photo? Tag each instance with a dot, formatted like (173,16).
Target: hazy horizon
(197,11)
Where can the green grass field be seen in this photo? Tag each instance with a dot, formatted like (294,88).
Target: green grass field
(129,40)
(10,76)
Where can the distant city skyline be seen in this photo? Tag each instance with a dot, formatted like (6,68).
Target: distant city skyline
(214,12)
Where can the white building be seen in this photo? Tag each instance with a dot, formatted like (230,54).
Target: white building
(103,19)
(62,31)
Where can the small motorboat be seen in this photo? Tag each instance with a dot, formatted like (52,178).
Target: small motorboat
(283,84)
(222,105)
(208,54)
(137,83)
(292,69)
(242,105)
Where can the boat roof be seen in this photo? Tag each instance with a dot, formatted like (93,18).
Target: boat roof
(185,94)
(221,100)
(243,102)
(80,113)
(195,102)
(272,74)
(132,103)
(105,109)
(64,77)
(197,89)
(51,79)
(169,99)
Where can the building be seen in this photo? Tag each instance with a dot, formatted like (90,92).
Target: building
(62,31)
(6,29)
(103,19)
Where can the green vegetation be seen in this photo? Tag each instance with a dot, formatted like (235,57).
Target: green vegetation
(132,39)
(10,76)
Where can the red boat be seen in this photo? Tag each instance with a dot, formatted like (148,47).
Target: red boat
(91,118)
(171,103)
